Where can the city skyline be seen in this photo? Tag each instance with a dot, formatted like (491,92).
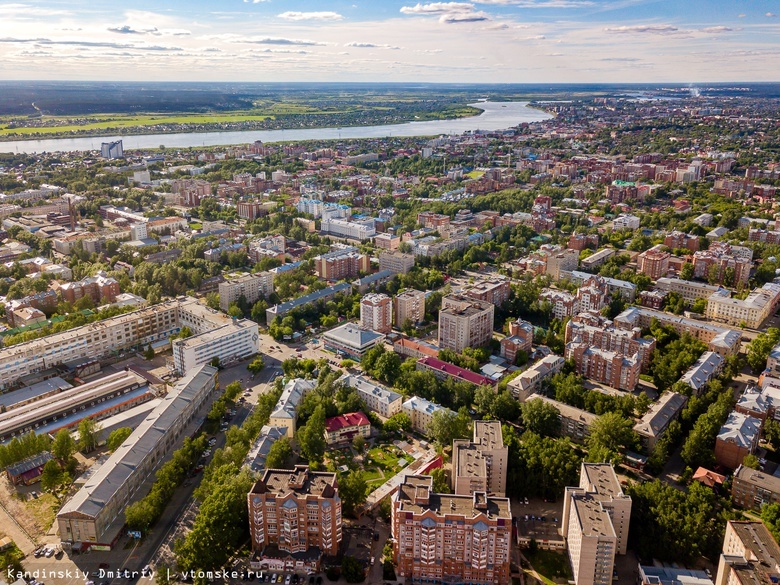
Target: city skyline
(513,41)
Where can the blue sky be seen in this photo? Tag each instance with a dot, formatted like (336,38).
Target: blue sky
(513,41)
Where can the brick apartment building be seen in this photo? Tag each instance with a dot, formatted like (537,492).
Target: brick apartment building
(464,322)
(340,264)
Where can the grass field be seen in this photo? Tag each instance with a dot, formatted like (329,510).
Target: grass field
(550,565)
(44,510)
(379,464)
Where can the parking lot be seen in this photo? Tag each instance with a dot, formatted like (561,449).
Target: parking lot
(538,520)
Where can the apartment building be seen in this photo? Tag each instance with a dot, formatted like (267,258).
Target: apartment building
(703,371)
(376,398)
(421,412)
(480,465)
(598,258)
(654,262)
(752,489)
(464,322)
(721,340)
(324,294)
(595,524)
(575,422)
(429,219)
(592,294)
(760,304)
(492,290)
(396,262)
(599,332)
(95,514)
(443,538)
(732,263)
(376,313)
(653,425)
(294,519)
(136,329)
(530,380)
(252,287)
(750,555)
(444,370)
(387,241)
(101,288)
(604,366)
(285,413)
(614,286)
(564,304)
(687,289)
(409,304)
(561,262)
(416,349)
(341,263)
(737,438)
(520,338)
(679,240)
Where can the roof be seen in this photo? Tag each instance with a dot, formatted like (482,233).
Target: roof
(103,486)
(758,478)
(351,335)
(455,371)
(708,478)
(655,421)
(424,348)
(422,405)
(257,455)
(291,396)
(324,293)
(345,421)
(29,464)
(741,429)
(652,575)
(546,366)
(300,481)
(363,386)
(414,486)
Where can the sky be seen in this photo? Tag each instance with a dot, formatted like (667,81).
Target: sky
(476,41)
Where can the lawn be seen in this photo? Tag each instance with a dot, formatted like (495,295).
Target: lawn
(379,464)
(550,565)
(44,510)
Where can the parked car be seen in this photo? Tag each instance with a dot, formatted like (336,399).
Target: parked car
(49,553)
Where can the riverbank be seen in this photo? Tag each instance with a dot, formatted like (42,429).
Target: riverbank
(494,116)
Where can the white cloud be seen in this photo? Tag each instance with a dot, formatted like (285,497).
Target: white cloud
(281,41)
(653,29)
(457,17)
(716,29)
(539,3)
(322,16)
(358,45)
(436,8)
(770,15)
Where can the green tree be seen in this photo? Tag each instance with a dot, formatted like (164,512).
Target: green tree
(400,421)
(51,475)
(279,454)
(89,431)
(759,348)
(446,425)
(148,352)
(352,569)
(770,515)
(751,461)
(352,491)
(63,446)
(541,418)
(359,443)
(441,484)
(256,365)
(772,432)
(117,437)
(610,435)
(686,272)
(311,437)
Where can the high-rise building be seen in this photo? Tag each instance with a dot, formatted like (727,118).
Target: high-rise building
(449,537)
(112,149)
(654,263)
(252,287)
(396,262)
(595,524)
(493,290)
(376,313)
(341,263)
(409,305)
(750,555)
(608,367)
(295,515)
(464,322)
(480,465)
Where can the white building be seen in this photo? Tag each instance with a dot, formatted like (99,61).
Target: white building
(350,340)
(285,415)
(529,381)
(625,221)
(234,341)
(349,229)
(376,398)
(421,411)
(595,524)
(252,287)
(376,313)
(752,311)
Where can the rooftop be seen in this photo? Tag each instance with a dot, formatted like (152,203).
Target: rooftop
(300,481)
(741,429)
(416,489)
(655,421)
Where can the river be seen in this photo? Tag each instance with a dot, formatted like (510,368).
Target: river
(495,116)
